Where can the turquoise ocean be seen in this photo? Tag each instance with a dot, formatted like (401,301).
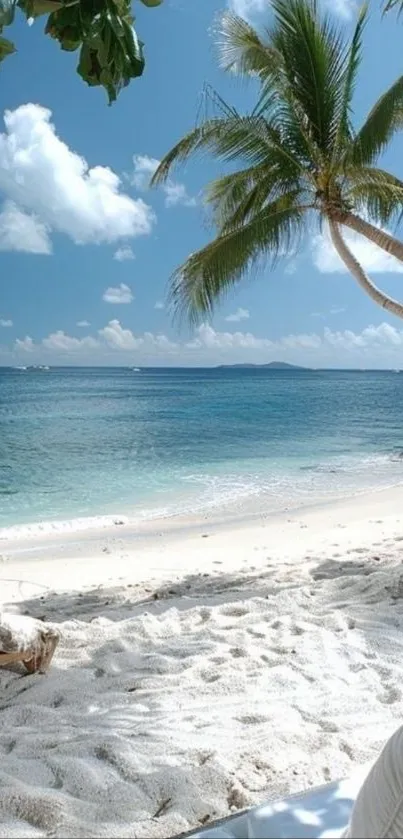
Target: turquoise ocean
(77,443)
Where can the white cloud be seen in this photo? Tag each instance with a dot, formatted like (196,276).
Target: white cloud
(6,323)
(123,254)
(374,346)
(373,259)
(175,192)
(159,305)
(119,338)
(83,323)
(248,9)
(25,344)
(240,314)
(337,310)
(42,175)
(371,338)
(121,294)
(143,170)
(22,232)
(342,8)
(251,9)
(60,342)
(207,337)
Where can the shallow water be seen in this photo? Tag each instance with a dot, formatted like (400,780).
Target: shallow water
(80,442)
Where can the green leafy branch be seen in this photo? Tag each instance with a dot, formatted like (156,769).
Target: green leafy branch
(111,55)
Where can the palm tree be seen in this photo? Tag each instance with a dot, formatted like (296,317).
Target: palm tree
(302,160)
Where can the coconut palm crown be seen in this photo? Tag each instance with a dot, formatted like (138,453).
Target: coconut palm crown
(299,155)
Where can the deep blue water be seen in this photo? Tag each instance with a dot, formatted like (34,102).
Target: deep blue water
(79,442)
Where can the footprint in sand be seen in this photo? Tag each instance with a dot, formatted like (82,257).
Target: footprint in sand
(234,611)
(346,748)
(328,726)
(210,676)
(255,633)
(9,747)
(390,696)
(252,719)
(271,662)
(238,652)
(218,659)
(41,812)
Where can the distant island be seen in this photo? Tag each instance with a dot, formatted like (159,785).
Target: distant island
(273,365)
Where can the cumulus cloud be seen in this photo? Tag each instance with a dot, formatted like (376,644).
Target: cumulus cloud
(159,305)
(83,323)
(248,9)
(6,322)
(123,254)
(121,294)
(119,338)
(375,346)
(60,342)
(240,314)
(41,175)
(25,344)
(373,259)
(207,337)
(143,170)
(342,8)
(175,192)
(20,231)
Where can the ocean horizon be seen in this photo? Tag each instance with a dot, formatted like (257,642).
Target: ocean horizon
(85,442)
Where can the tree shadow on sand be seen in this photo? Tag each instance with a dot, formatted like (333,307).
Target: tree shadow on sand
(117,603)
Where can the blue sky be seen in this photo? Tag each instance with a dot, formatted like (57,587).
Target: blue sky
(86,250)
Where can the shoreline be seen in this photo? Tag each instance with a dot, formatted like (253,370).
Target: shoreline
(220,516)
(166,549)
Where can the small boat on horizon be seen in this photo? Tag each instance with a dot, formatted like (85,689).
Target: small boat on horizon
(136,370)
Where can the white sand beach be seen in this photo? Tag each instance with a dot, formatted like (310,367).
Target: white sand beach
(203,666)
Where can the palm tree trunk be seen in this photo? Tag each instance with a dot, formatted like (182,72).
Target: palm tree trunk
(384,240)
(359,274)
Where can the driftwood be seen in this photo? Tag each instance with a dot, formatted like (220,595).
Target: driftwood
(27,640)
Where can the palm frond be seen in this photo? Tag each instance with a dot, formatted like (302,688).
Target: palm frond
(350,75)
(225,194)
(392,4)
(376,193)
(313,54)
(235,198)
(225,137)
(243,52)
(210,272)
(249,138)
(383,121)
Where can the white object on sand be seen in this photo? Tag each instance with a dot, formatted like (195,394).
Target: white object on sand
(378,810)
(26,639)
(319,813)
